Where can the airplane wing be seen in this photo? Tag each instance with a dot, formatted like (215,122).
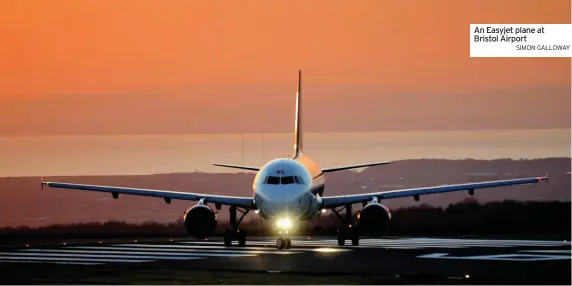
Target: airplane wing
(341,168)
(243,202)
(336,201)
(237,167)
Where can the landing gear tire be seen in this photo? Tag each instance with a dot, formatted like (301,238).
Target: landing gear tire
(288,243)
(344,234)
(283,243)
(235,233)
(228,237)
(241,237)
(280,243)
(355,240)
(341,237)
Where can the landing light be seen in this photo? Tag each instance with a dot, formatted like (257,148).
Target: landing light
(256,211)
(323,211)
(326,250)
(284,223)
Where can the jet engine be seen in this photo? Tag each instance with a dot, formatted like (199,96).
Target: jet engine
(373,219)
(200,221)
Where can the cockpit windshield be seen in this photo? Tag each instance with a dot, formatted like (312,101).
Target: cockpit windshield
(271,180)
(286,180)
(298,180)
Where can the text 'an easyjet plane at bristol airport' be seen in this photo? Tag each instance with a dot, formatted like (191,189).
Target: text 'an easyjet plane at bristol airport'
(291,189)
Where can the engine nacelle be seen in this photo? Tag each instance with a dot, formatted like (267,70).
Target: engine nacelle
(373,219)
(200,221)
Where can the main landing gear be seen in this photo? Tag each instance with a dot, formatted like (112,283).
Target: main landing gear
(234,233)
(283,242)
(347,231)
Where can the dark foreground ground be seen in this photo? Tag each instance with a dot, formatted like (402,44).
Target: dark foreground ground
(310,261)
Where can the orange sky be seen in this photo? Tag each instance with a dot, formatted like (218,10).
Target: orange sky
(108,47)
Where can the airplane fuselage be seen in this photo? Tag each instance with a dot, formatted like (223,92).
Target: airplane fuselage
(289,188)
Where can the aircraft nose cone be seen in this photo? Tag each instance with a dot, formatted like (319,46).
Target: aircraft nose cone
(279,202)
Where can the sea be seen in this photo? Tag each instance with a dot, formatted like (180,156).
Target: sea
(70,155)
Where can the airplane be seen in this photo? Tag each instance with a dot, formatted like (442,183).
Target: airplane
(290,190)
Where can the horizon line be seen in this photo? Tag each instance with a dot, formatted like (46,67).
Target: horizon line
(262,132)
(197,171)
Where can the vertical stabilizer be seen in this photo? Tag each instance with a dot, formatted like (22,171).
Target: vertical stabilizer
(298,141)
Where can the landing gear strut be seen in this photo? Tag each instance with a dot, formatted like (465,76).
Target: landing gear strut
(347,231)
(234,232)
(283,242)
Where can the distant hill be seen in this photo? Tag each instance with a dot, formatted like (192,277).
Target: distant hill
(23,202)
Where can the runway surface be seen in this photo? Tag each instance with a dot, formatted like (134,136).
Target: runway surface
(460,260)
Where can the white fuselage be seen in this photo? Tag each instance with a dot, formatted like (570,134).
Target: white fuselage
(289,188)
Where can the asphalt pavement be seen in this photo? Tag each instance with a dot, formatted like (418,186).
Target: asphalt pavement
(415,260)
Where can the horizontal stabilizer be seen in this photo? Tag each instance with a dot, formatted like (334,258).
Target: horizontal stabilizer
(348,167)
(237,167)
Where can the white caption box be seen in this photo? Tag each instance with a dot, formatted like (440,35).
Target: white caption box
(520,40)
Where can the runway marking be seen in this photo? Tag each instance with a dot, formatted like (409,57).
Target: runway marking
(95,255)
(192,250)
(188,247)
(557,251)
(53,262)
(59,259)
(499,257)
(131,253)
(405,243)
(141,254)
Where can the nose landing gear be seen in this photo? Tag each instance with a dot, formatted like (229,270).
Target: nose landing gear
(283,242)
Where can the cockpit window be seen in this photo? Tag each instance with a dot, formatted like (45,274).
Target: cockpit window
(298,180)
(287,180)
(271,180)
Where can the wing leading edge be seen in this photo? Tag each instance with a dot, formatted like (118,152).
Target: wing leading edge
(349,167)
(250,168)
(244,202)
(336,201)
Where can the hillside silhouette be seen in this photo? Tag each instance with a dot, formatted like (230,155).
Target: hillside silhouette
(23,202)
(469,217)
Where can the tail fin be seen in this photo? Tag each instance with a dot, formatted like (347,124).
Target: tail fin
(298,140)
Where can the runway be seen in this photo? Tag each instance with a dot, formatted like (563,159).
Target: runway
(393,257)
